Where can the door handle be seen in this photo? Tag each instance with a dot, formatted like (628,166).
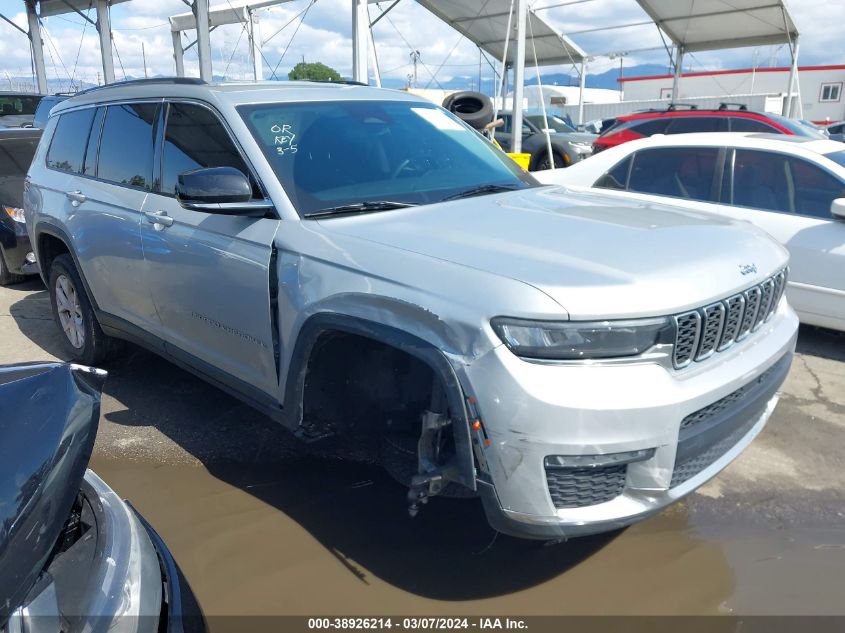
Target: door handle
(158,217)
(76,197)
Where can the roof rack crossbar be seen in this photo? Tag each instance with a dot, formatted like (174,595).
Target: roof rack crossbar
(674,106)
(739,106)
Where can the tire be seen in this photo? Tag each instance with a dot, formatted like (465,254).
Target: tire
(7,277)
(541,160)
(82,336)
(473,108)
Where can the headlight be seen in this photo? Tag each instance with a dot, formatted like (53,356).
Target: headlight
(15,213)
(580,340)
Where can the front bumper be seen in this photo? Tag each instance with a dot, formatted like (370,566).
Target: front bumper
(531,411)
(16,246)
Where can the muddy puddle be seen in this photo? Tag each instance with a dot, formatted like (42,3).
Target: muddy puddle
(321,537)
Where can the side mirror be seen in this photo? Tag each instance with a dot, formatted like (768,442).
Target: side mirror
(837,209)
(223,190)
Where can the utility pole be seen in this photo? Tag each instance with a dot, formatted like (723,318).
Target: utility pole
(144,57)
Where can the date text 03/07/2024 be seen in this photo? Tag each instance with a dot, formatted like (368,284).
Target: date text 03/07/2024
(421,623)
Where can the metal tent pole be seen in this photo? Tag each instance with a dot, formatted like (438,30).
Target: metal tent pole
(676,82)
(37,47)
(178,53)
(104,29)
(518,77)
(200,9)
(255,42)
(582,81)
(360,39)
(793,71)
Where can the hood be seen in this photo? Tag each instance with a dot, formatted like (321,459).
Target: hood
(577,137)
(48,422)
(596,256)
(16,120)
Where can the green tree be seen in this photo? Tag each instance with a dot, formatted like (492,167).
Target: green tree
(315,71)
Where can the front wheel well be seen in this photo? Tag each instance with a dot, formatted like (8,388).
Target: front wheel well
(367,399)
(355,384)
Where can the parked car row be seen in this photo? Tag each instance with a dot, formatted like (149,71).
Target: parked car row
(793,187)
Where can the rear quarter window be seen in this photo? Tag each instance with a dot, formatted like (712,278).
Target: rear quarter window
(67,147)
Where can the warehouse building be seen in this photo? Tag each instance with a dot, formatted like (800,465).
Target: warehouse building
(820,87)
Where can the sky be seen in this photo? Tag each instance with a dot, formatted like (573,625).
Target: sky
(319,30)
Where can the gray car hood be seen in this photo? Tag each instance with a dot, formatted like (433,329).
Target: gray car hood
(597,256)
(48,421)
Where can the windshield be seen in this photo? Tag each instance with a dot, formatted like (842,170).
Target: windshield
(342,153)
(795,127)
(837,157)
(554,123)
(13,105)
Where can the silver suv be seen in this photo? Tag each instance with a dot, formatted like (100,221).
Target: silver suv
(359,264)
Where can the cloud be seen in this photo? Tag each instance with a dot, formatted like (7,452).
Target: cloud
(324,36)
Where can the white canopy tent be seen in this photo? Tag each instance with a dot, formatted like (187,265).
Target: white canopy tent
(704,25)
(37,9)
(502,28)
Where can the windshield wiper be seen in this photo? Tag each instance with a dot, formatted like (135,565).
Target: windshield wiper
(359,207)
(480,191)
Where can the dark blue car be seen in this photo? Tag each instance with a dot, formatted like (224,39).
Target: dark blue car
(17,147)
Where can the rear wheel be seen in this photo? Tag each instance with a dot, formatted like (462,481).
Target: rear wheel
(84,340)
(7,277)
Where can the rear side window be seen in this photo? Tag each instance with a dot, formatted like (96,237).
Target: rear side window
(67,148)
(688,124)
(126,145)
(814,188)
(742,124)
(195,138)
(652,126)
(616,178)
(678,172)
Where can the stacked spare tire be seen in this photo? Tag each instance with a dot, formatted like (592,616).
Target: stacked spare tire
(473,108)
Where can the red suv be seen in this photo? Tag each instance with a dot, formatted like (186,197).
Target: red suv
(674,120)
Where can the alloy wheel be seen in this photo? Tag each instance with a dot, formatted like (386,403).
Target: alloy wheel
(70,312)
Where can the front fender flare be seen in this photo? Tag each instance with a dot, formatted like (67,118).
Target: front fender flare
(319,324)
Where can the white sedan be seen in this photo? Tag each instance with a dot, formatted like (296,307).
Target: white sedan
(791,186)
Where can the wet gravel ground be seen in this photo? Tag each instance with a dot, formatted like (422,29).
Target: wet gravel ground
(260,528)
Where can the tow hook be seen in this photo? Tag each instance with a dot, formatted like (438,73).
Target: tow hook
(431,478)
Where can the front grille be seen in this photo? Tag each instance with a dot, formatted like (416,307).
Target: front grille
(579,487)
(739,409)
(687,328)
(733,321)
(711,329)
(689,468)
(712,410)
(714,328)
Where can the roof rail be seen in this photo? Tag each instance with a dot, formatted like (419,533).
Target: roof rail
(188,81)
(739,106)
(348,82)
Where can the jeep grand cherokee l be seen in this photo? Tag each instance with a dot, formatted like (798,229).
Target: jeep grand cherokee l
(358,263)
